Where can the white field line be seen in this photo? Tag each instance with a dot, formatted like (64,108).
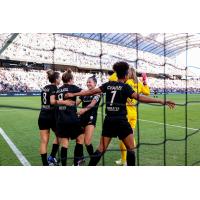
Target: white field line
(172,125)
(16,109)
(9,110)
(195,129)
(15,150)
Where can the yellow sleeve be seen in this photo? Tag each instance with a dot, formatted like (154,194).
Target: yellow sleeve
(113,77)
(145,90)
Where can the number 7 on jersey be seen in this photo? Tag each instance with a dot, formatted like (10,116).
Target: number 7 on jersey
(113,97)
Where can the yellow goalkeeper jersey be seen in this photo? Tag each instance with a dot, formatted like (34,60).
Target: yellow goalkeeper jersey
(137,87)
(113,77)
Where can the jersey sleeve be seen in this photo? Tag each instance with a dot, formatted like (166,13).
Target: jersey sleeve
(145,90)
(103,87)
(97,98)
(76,89)
(128,91)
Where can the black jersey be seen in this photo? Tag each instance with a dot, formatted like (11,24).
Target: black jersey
(66,112)
(46,93)
(86,100)
(116,98)
(46,118)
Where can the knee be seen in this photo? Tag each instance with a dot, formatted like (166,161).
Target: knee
(101,149)
(44,140)
(64,143)
(130,146)
(80,139)
(87,141)
(131,149)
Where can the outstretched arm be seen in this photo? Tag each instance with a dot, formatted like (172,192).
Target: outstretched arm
(145,99)
(83,93)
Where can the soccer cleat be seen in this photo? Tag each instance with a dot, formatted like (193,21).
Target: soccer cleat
(120,162)
(52,161)
(81,162)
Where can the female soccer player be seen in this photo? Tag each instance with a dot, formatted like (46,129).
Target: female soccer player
(140,88)
(67,121)
(46,119)
(88,115)
(116,123)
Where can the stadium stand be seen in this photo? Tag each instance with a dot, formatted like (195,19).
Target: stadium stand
(70,50)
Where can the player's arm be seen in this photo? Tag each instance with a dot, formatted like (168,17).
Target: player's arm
(88,107)
(129,102)
(53,99)
(66,102)
(145,87)
(84,93)
(146,90)
(145,99)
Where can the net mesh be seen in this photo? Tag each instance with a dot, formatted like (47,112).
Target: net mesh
(171,140)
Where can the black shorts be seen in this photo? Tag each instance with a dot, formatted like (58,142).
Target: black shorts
(88,120)
(69,129)
(113,127)
(47,121)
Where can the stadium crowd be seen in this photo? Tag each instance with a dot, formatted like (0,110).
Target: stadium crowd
(21,80)
(75,51)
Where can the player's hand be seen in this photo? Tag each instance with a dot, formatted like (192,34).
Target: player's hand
(81,111)
(70,103)
(69,95)
(170,104)
(144,78)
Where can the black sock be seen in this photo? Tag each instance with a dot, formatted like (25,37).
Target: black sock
(78,153)
(44,159)
(130,158)
(95,158)
(90,149)
(63,155)
(54,150)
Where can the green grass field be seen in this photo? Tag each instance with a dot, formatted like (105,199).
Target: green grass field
(20,124)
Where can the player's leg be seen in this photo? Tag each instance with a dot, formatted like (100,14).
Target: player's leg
(63,153)
(132,121)
(122,147)
(55,148)
(130,144)
(44,139)
(78,150)
(95,158)
(89,131)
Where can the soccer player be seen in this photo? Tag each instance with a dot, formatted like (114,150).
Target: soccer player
(67,121)
(155,93)
(46,120)
(88,115)
(140,88)
(116,123)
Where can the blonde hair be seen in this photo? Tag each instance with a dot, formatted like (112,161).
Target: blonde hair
(132,75)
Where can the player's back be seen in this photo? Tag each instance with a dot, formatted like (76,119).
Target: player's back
(46,93)
(66,112)
(116,97)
